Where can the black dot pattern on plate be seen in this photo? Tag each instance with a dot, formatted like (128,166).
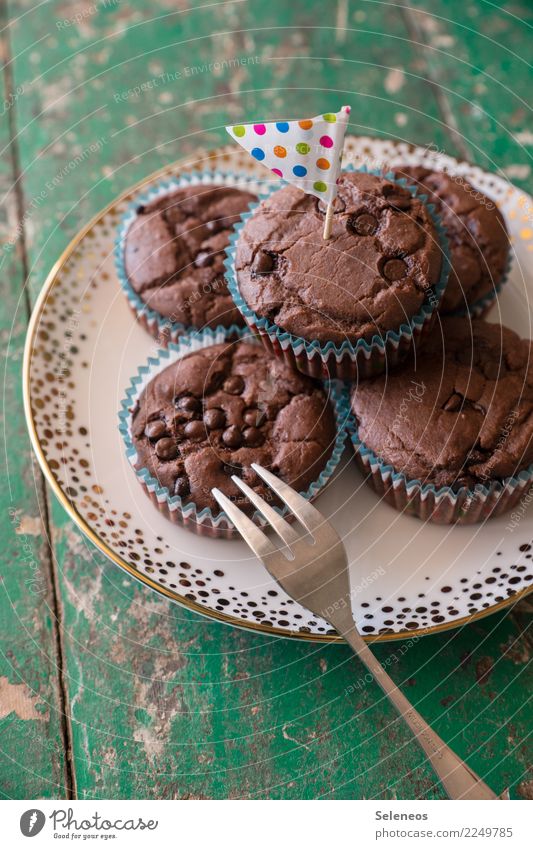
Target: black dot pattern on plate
(63,353)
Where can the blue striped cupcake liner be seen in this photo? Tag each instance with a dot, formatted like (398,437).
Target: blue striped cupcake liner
(204,521)
(443,505)
(347,361)
(157,325)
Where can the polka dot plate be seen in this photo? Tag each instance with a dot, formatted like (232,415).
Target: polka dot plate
(407,576)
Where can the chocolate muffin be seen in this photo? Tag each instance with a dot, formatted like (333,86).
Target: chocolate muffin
(477,234)
(214,412)
(174,252)
(461,414)
(371,276)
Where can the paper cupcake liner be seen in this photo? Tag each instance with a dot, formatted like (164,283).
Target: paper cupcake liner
(161,328)
(347,361)
(442,506)
(480,307)
(205,522)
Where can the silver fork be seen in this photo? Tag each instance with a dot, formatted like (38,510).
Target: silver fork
(317,577)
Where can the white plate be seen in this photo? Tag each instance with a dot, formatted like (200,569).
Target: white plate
(407,576)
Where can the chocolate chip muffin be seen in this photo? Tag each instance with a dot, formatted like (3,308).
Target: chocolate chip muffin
(459,415)
(476,231)
(217,410)
(372,276)
(174,252)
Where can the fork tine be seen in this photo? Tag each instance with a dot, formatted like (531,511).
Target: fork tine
(302,509)
(258,542)
(282,528)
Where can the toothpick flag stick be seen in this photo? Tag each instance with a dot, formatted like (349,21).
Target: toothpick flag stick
(306,153)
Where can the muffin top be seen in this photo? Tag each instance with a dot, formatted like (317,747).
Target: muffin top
(475,227)
(174,253)
(217,410)
(460,414)
(370,277)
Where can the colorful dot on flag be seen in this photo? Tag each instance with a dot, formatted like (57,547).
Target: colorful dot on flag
(282,126)
(305,125)
(260,129)
(299,171)
(280,151)
(319,186)
(239,131)
(258,153)
(277,171)
(329,117)
(326,141)
(303,148)
(322,163)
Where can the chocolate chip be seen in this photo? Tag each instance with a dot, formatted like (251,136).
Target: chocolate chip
(232,437)
(214,226)
(141,209)
(364,224)
(234,385)
(395,269)
(188,404)
(254,417)
(204,259)
(492,370)
(253,437)
(263,262)
(182,487)
(155,429)
(166,448)
(214,418)
(194,430)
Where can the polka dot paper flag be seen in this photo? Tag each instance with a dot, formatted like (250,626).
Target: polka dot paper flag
(305,153)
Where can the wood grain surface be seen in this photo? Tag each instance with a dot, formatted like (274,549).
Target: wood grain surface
(106,690)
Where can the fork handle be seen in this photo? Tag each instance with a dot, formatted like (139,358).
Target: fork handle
(459,781)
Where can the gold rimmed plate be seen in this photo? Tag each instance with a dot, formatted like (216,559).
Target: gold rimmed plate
(83,346)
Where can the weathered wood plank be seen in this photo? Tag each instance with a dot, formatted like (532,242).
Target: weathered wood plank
(31,742)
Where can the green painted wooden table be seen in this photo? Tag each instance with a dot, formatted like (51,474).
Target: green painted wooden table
(107,693)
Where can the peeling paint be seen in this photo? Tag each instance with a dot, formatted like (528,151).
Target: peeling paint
(18,698)
(484,669)
(394,81)
(29,526)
